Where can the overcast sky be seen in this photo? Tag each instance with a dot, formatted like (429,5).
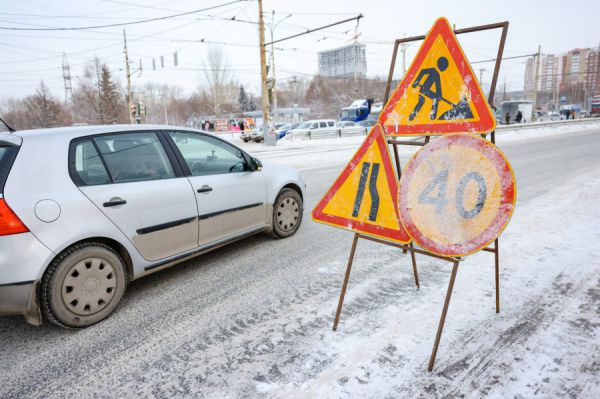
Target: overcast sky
(29,56)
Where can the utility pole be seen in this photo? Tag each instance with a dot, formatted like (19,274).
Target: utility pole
(538,68)
(68,86)
(274,88)
(481,71)
(263,74)
(129,99)
(403,48)
(274,81)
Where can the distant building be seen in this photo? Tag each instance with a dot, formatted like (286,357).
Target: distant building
(592,76)
(549,76)
(574,75)
(344,62)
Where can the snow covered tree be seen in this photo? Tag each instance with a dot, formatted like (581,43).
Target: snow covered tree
(112,103)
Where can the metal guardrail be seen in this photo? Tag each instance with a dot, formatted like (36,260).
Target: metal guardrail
(515,126)
(361,131)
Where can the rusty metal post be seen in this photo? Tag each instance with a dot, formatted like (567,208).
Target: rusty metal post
(443,318)
(388,85)
(399,172)
(497,262)
(414,264)
(345,285)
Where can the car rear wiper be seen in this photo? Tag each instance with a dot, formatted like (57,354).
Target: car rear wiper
(10,129)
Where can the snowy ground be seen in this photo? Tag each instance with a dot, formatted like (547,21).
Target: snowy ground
(254,319)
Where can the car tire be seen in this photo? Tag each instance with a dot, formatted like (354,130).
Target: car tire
(83,285)
(287,213)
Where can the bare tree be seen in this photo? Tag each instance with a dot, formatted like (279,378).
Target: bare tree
(43,109)
(220,86)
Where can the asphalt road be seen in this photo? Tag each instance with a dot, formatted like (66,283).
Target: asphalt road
(253,319)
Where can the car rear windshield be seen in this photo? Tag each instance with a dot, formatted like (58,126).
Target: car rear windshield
(8,153)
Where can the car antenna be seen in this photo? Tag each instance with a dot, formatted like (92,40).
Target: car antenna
(10,129)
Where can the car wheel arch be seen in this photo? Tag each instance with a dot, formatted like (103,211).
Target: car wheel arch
(294,187)
(109,242)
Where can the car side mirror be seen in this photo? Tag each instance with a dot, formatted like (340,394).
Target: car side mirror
(255,165)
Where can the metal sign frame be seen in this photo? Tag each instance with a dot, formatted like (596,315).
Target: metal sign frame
(410,247)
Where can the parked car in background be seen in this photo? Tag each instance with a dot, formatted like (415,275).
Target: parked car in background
(306,129)
(258,135)
(346,124)
(284,129)
(109,204)
(247,135)
(368,123)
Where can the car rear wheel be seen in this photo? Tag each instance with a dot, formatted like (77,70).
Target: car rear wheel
(287,213)
(83,285)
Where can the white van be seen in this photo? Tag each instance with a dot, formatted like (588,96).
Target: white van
(317,128)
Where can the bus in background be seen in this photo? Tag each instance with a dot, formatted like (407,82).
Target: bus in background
(358,111)
(595,110)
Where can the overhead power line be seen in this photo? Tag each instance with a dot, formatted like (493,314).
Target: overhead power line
(357,18)
(123,23)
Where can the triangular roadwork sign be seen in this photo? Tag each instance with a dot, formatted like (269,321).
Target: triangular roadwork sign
(364,197)
(439,93)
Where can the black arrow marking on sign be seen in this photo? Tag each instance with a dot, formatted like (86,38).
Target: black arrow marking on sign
(374,193)
(364,173)
(360,192)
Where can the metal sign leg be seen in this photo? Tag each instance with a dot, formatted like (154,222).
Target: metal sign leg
(497,261)
(414,265)
(443,318)
(345,285)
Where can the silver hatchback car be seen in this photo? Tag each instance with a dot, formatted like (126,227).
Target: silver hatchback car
(85,210)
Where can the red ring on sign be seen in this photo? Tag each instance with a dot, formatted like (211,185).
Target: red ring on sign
(507,201)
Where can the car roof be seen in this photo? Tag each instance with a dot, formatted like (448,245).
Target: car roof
(71,132)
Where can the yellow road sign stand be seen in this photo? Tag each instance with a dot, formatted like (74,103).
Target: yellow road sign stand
(395,142)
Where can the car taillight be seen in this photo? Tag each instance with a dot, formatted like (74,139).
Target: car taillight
(9,222)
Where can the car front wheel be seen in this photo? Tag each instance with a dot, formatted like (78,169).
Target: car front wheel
(287,213)
(83,285)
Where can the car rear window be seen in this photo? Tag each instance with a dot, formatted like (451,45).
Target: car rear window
(8,153)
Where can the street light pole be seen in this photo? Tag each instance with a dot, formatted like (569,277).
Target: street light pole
(263,71)
(273,26)
(129,99)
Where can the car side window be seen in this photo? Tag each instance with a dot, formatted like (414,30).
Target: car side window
(132,157)
(322,124)
(331,124)
(206,155)
(315,125)
(87,164)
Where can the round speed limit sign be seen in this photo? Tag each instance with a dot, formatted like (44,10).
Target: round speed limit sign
(456,195)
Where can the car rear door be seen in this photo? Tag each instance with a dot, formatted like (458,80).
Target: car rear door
(136,182)
(232,199)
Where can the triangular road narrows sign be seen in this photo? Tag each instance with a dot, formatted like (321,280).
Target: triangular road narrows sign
(364,198)
(439,93)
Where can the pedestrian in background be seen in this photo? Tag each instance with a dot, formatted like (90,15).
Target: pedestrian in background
(507,117)
(519,117)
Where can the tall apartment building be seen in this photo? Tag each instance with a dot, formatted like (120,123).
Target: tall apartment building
(592,76)
(573,76)
(549,74)
(344,62)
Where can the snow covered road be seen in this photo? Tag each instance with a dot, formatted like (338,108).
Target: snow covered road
(254,319)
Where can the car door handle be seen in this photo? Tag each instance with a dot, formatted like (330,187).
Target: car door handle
(205,189)
(114,202)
